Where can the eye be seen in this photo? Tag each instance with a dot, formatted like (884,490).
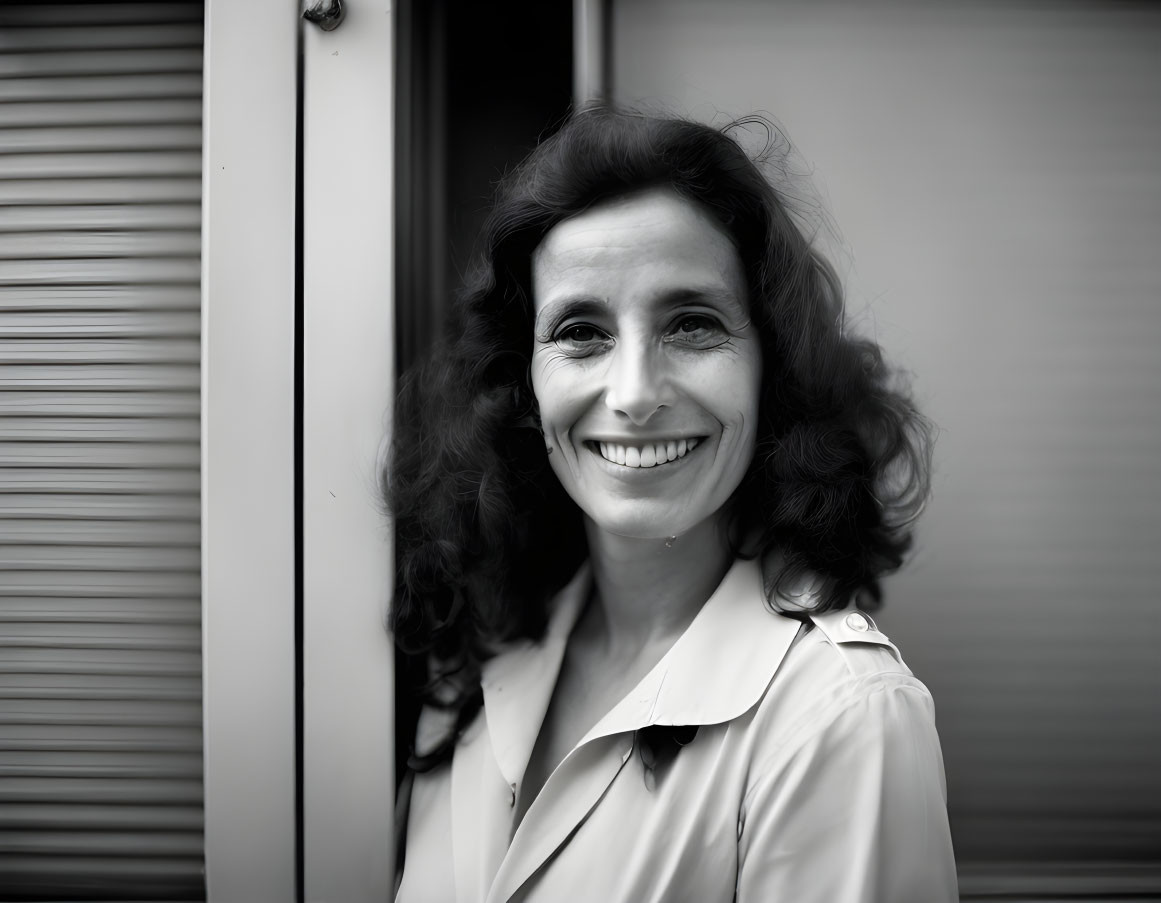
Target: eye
(698,331)
(580,338)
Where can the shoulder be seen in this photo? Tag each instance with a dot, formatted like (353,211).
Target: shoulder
(841,677)
(845,768)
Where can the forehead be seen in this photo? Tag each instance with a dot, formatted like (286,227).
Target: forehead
(649,244)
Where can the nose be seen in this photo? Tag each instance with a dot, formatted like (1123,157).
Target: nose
(638,382)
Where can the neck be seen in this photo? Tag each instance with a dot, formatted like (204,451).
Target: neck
(651,589)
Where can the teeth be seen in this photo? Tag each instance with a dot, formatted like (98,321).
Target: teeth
(649,455)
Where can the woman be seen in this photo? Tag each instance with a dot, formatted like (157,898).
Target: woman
(635,490)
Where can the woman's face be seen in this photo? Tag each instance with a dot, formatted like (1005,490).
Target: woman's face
(645,364)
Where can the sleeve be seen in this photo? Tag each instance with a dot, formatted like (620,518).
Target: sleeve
(856,812)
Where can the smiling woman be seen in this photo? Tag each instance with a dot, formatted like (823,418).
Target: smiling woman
(638,492)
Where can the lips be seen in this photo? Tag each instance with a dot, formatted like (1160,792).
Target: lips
(645,454)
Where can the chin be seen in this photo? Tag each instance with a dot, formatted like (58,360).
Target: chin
(646,524)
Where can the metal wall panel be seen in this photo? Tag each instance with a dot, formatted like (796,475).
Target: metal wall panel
(100,646)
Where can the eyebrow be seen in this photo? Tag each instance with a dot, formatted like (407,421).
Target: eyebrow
(710,293)
(572,305)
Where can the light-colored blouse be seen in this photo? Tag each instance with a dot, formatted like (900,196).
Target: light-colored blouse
(815,775)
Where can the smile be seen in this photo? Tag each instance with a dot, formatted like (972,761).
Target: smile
(648,454)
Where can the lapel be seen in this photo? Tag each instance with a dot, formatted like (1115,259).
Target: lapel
(493,754)
(694,683)
(519,682)
(565,801)
(479,815)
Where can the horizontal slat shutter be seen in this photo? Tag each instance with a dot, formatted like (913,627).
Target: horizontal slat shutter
(100,662)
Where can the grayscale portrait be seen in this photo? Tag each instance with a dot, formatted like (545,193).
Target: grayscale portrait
(600,450)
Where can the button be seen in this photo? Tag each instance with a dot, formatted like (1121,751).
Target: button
(512,797)
(856,621)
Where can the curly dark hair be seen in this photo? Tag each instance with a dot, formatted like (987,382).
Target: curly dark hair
(484,534)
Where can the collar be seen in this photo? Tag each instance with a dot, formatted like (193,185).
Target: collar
(518,682)
(717,670)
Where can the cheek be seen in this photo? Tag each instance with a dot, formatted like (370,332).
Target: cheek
(559,409)
(559,386)
(731,393)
